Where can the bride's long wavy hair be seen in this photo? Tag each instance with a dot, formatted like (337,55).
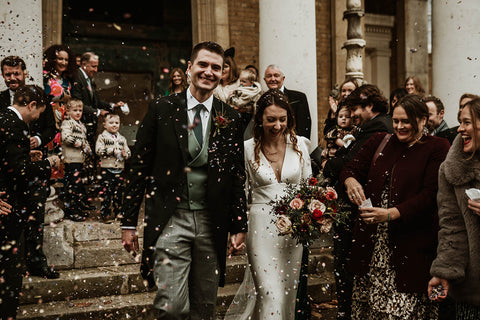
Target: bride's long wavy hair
(278,98)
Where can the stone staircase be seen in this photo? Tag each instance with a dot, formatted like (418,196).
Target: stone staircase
(99,279)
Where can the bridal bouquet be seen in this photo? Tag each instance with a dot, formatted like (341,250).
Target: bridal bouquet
(307,210)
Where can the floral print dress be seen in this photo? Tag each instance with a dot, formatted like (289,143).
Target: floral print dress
(375,295)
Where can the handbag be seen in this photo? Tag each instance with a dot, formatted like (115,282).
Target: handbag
(381,146)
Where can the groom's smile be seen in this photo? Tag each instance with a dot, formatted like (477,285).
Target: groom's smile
(205,71)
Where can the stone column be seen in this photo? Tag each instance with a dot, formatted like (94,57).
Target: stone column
(412,54)
(288,39)
(21,35)
(455,53)
(355,42)
(210,22)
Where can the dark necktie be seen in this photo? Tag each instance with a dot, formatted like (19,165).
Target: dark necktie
(197,124)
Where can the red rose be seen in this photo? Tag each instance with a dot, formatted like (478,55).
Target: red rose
(317,214)
(312,181)
(331,194)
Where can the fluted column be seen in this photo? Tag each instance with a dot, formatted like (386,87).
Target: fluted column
(355,43)
(21,35)
(455,53)
(210,22)
(288,39)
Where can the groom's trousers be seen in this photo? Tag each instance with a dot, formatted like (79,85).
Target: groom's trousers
(185,267)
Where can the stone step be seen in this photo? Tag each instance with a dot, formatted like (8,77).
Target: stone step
(86,283)
(136,305)
(131,306)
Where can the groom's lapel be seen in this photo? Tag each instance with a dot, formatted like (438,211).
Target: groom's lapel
(216,109)
(181,124)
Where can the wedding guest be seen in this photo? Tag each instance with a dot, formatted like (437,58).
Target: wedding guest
(112,148)
(177,82)
(274,79)
(244,98)
(17,172)
(60,68)
(457,264)
(347,87)
(229,81)
(395,237)
(274,157)
(254,69)
(42,131)
(451,133)
(369,109)
(342,135)
(413,85)
(75,148)
(395,95)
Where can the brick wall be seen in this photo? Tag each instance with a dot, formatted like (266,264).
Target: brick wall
(324,62)
(243,21)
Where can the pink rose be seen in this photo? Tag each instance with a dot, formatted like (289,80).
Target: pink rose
(296,203)
(284,225)
(331,194)
(326,225)
(316,205)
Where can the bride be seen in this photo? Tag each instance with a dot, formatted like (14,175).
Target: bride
(274,157)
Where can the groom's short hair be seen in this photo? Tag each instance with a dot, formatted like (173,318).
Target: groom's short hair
(207,45)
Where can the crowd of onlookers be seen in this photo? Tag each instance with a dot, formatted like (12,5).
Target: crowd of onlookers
(414,222)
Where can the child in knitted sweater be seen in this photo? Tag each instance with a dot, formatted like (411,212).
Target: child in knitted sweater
(74,149)
(112,148)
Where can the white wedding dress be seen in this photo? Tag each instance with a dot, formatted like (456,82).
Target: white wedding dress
(269,288)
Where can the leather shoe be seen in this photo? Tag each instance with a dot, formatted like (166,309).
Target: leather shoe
(44,272)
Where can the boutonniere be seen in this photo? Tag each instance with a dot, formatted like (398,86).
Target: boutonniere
(221,121)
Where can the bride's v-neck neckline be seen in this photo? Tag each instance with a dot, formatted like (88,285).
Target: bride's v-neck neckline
(271,167)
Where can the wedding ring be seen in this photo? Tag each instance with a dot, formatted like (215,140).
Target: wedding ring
(353,196)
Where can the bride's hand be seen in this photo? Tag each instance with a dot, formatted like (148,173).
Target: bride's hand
(237,242)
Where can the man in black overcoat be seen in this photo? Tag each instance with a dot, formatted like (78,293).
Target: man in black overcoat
(17,173)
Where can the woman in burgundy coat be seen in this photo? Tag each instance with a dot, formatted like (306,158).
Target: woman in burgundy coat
(395,238)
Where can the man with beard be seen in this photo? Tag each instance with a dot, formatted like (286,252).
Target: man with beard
(369,110)
(42,131)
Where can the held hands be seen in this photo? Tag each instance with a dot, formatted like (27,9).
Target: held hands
(437,289)
(130,241)
(354,191)
(35,155)
(237,243)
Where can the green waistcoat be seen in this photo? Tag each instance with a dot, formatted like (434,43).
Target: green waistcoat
(194,194)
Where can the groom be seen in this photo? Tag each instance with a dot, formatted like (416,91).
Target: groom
(188,157)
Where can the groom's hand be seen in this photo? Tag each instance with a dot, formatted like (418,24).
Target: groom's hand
(237,242)
(130,241)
